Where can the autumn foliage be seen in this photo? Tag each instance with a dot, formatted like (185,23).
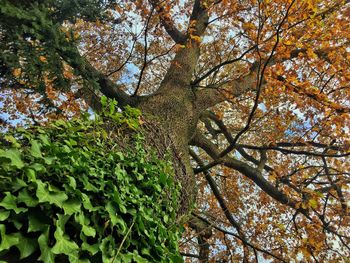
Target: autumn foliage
(271,79)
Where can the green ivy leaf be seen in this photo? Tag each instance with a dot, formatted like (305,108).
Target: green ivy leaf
(74,258)
(38,167)
(87,203)
(46,254)
(35,149)
(140,224)
(12,140)
(4,215)
(176,259)
(72,182)
(14,156)
(92,249)
(162,178)
(110,208)
(37,221)
(44,139)
(26,198)
(107,247)
(145,251)
(26,246)
(31,175)
(18,184)
(71,206)
(103,101)
(122,208)
(61,122)
(127,258)
(45,195)
(88,231)
(9,202)
(49,160)
(138,259)
(63,244)
(7,241)
(84,222)
(166,218)
(16,221)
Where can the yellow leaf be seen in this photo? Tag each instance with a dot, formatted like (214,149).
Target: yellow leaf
(280,226)
(76,35)
(17,72)
(311,54)
(179,46)
(313,203)
(196,38)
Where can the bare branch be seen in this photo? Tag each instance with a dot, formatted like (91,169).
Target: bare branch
(144,54)
(218,196)
(284,150)
(126,60)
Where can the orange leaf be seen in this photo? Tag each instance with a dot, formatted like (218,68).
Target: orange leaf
(17,72)
(43,59)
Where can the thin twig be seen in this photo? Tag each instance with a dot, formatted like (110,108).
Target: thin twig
(124,238)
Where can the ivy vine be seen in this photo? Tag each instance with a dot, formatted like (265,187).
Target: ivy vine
(75,192)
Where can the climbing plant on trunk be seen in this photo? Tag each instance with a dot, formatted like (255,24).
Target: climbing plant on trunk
(253,95)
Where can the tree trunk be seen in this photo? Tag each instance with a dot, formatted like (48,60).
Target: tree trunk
(174,109)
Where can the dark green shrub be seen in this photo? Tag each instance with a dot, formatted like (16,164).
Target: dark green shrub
(86,191)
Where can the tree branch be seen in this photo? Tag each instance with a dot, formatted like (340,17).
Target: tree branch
(250,172)
(279,147)
(207,98)
(199,19)
(106,86)
(144,54)
(217,194)
(244,241)
(226,211)
(167,22)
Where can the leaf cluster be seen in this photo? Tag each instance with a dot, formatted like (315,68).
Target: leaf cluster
(70,193)
(34,41)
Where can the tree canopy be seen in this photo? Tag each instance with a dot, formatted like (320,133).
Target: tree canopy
(254,95)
